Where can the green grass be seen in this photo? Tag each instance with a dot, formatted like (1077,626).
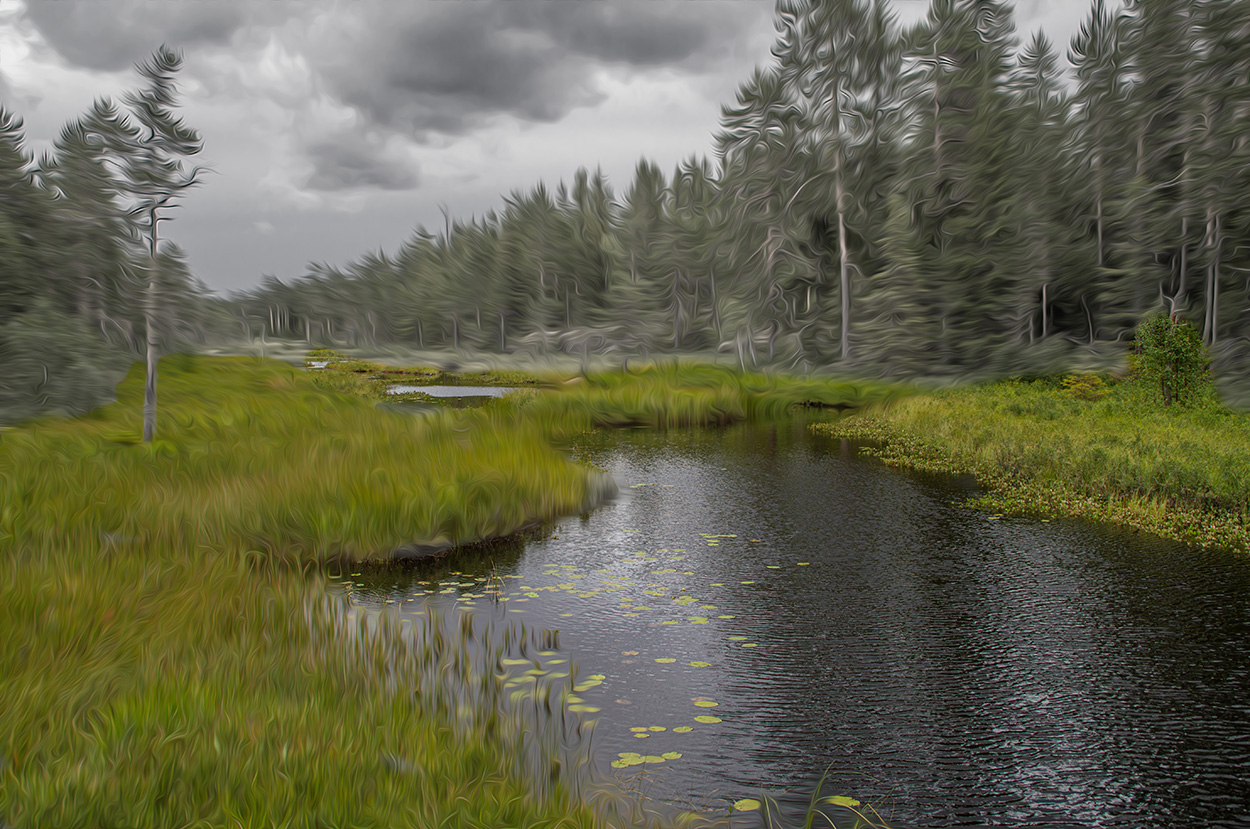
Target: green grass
(1040,448)
(171,655)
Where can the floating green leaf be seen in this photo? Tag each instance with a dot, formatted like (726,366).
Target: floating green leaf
(700,664)
(682,729)
(840,800)
(664,660)
(705,703)
(707,719)
(747,804)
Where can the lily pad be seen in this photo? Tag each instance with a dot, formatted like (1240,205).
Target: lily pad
(747,804)
(682,729)
(665,660)
(671,755)
(700,664)
(707,719)
(705,703)
(840,800)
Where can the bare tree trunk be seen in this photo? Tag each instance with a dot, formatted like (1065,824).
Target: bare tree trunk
(149,322)
(1045,311)
(844,264)
(1213,277)
(1098,198)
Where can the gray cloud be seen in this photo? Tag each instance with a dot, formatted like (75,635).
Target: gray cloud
(115,35)
(445,66)
(348,163)
(460,63)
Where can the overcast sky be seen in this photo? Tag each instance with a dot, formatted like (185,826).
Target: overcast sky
(335,127)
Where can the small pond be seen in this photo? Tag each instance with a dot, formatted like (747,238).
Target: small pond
(770,606)
(453,391)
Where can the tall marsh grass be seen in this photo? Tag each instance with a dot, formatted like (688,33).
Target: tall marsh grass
(1114,454)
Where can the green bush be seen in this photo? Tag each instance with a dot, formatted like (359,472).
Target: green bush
(1169,352)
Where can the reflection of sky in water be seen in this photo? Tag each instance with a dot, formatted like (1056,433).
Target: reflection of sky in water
(947,666)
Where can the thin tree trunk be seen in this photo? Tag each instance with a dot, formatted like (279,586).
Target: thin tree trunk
(839,189)
(1213,277)
(1098,197)
(149,321)
(1045,315)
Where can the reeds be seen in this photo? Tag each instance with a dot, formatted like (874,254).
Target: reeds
(1040,448)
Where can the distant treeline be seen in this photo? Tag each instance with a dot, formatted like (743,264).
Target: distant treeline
(940,198)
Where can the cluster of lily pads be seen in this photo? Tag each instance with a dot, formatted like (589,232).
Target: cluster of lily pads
(548,674)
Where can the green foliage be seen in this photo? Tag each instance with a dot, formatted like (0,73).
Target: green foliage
(1084,386)
(1180,472)
(1169,353)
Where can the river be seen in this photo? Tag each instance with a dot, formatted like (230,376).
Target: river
(771,606)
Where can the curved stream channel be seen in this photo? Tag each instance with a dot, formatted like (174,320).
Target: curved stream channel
(947,666)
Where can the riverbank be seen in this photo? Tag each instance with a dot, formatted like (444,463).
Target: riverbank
(169,657)
(1098,450)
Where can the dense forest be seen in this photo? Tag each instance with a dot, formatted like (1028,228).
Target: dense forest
(943,198)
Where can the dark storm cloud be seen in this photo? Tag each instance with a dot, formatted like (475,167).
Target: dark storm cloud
(113,36)
(349,164)
(426,66)
(459,63)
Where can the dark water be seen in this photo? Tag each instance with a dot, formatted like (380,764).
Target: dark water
(946,666)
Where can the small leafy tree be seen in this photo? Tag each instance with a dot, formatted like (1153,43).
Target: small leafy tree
(1169,351)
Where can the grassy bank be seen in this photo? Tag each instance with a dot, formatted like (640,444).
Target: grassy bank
(659,395)
(171,656)
(168,660)
(1106,452)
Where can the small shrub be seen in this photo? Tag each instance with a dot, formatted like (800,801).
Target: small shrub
(1084,386)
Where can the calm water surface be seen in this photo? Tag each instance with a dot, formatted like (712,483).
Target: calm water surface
(949,667)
